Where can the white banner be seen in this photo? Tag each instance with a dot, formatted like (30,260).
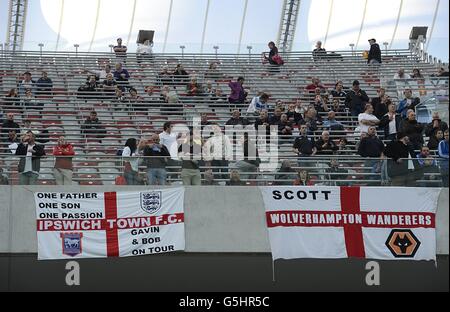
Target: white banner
(342,222)
(109,224)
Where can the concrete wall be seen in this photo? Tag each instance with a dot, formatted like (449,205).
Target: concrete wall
(217,219)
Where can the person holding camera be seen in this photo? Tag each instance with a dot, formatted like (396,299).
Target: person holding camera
(30,162)
(157,156)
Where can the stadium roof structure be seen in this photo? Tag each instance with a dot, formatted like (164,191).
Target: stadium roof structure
(231,25)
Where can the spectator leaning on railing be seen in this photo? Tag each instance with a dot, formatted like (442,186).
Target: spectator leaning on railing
(63,169)
(156,157)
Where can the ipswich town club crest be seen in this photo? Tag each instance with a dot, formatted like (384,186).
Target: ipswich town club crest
(71,243)
(151,201)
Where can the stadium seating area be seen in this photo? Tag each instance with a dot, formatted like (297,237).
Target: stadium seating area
(65,109)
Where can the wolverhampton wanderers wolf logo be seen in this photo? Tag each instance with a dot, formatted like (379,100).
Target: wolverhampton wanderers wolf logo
(151,201)
(402,243)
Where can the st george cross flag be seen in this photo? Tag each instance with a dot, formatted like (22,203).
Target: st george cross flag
(109,224)
(361,222)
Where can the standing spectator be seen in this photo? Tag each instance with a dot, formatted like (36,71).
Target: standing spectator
(336,173)
(303,179)
(433,142)
(258,103)
(121,76)
(443,159)
(170,140)
(427,169)
(131,162)
(325,145)
(193,88)
(285,126)
(144,51)
(27,83)
(409,102)
(93,126)
(413,130)
(374,57)
(235,179)
(304,146)
(156,159)
(338,91)
(391,123)
(180,76)
(319,52)
(398,165)
(356,99)
(12,141)
(236,119)
(190,154)
(401,74)
(380,103)
(332,124)
(63,169)
(218,151)
(44,85)
(238,94)
(120,50)
(371,147)
(367,119)
(30,162)
(435,125)
(9,124)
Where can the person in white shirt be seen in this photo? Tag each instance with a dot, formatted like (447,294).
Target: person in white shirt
(170,140)
(144,51)
(257,104)
(367,119)
(218,151)
(401,74)
(131,162)
(102,73)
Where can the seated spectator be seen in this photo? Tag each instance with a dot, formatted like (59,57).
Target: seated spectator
(193,88)
(319,53)
(63,169)
(443,150)
(344,147)
(441,73)
(332,124)
(93,127)
(121,76)
(433,142)
(258,103)
(371,147)
(274,58)
(9,124)
(238,94)
(109,86)
(89,89)
(367,119)
(263,121)
(390,123)
(294,114)
(219,98)
(212,72)
(325,145)
(180,76)
(337,107)
(320,102)
(235,179)
(303,179)
(356,99)
(102,73)
(30,160)
(413,129)
(204,120)
(435,125)
(119,99)
(169,95)
(285,175)
(427,169)
(398,165)
(11,100)
(380,103)
(136,101)
(209,178)
(209,90)
(304,146)
(311,88)
(285,126)
(144,52)
(236,119)
(311,120)
(131,162)
(336,173)
(401,74)
(156,157)
(338,91)
(44,85)
(27,83)
(416,74)
(409,102)
(120,50)
(165,77)
(29,101)
(276,117)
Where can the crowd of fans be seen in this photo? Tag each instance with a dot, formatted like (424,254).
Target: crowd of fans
(387,133)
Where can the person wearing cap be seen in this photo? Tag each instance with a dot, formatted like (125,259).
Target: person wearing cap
(374,53)
(26,83)
(356,99)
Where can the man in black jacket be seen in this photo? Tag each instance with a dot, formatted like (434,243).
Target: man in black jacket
(391,123)
(435,125)
(398,165)
(9,124)
(30,162)
(374,53)
(371,147)
(236,119)
(304,147)
(356,99)
(157,156)
(413,130)
(92,126)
